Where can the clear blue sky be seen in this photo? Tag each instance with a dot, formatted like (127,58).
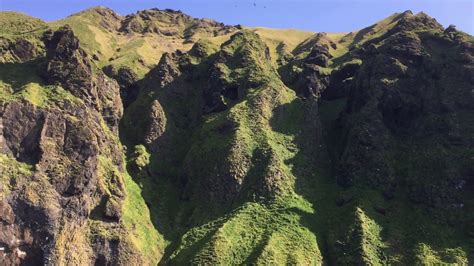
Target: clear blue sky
(312,15)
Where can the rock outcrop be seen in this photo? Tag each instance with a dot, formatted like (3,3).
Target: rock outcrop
(68,65)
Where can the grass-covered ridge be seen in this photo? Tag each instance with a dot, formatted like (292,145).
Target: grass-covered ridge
(264,137)
(13,24)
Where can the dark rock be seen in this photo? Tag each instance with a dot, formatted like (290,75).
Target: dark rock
(340,82)
(20,50)
(126,79)
(380,209)
(6,213)
(450,29)
(22,139)
(69,66)
(24,50)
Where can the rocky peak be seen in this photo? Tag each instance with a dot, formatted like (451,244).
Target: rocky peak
(63,44)
(103,16)
(450,29)
(420,21)
(407,13)
(165,22)
(67,63)
(105,11)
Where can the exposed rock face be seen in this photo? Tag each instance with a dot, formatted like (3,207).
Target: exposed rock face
(220,171)
(19,50)
(70,66)
(72,150)
(65,153)
(127,79)
(312,80)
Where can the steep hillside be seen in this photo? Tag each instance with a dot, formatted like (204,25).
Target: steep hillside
(158,138)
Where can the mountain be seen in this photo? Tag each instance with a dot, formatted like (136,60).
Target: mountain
(158,138)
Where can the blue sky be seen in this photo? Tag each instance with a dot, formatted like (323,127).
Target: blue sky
(312,15)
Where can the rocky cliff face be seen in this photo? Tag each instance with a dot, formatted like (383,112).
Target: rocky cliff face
(346,149)
(63,187)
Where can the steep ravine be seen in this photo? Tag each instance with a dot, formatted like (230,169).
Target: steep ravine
(345,149)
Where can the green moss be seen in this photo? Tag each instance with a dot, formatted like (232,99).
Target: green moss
(288,193)
(12,168)
(265,125)
(20,81)
(370,241)
(109,176)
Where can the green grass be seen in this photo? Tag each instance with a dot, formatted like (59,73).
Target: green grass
(276,236)
(39,95)
(427,256)
(13,24)
(274,38)
(136,219)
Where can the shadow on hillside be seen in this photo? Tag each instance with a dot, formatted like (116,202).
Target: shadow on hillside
(405,227)
(310,166)
(161,181)
(164,180)
(20,74)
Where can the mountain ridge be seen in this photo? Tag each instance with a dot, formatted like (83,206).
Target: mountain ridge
(231,145)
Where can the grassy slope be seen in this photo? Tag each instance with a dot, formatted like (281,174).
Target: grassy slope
(276,224)
(275,37)
(13,24)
